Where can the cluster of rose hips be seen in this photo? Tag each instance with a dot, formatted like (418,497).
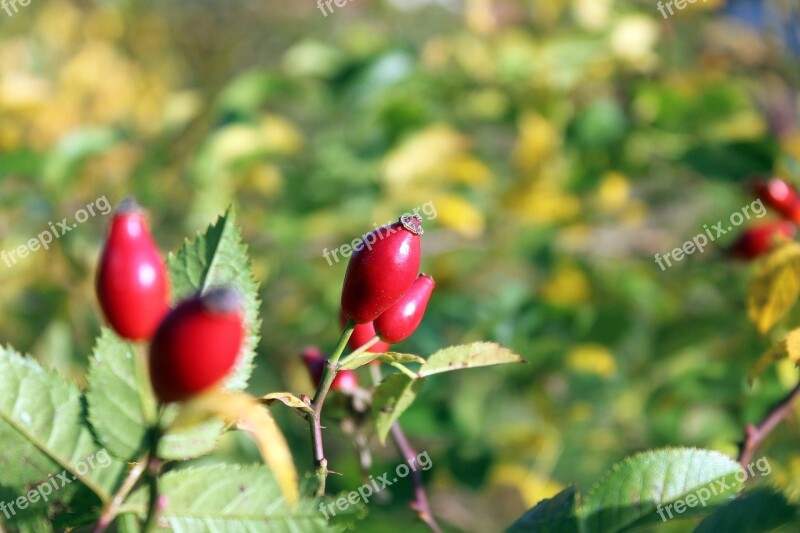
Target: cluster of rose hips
(384,295)
(760,239)
(195,345)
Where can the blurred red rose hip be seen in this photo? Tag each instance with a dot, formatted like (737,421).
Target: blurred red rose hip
(132,282)
(758,240)
(197,344)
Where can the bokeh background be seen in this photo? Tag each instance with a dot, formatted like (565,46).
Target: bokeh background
(562,142)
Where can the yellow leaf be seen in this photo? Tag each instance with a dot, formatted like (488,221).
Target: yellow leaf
(775,287)
(788,347)
(246,412)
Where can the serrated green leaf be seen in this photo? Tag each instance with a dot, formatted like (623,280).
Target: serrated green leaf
(121,402)
(187,442)
(392,397)
(389,357)
(229,498)
(759,511)
(215,258)
(43,431)
(555,515)
(647,487)
(472,355)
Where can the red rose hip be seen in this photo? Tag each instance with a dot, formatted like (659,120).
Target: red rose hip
(758,240)
(780,195)
(382,269)
(132,283)
(197,344)
(401,320)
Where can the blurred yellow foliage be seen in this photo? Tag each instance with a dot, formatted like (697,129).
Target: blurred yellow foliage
(538,139)
(592,359)
(457,214)
(567,287)
(613,193)
(632,40)
(273,135)
(531,486)
(423,155)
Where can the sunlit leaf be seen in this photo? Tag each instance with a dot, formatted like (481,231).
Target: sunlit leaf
(788,347)
(775,287)
(472,355)
(287,399)
(254,418)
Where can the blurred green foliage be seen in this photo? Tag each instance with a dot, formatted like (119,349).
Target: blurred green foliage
(562,143)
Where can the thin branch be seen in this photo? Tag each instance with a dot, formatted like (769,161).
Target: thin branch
(420,503)
(315,418)
(111,510)
(755,435)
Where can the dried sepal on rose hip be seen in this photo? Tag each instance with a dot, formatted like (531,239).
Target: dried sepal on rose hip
(315,362)
(401,320)
(758,240)
(132,283)
(197,344)
(382,269)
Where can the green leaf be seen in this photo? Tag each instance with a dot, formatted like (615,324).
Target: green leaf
(389,357)
(393,396)
(43,430)
(215,258)
(228,498)
(121,402)
(658,485)
(556,515)
(472,355)
(755,512)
